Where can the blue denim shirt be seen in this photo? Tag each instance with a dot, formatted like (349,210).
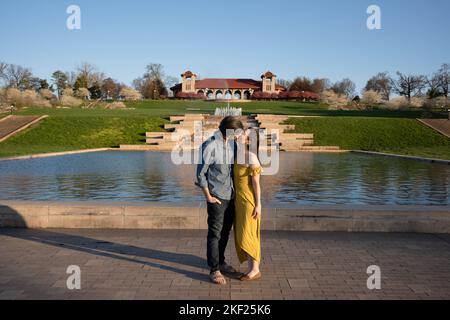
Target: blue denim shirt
(216,167)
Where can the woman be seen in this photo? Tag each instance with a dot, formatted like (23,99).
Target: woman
(248,204)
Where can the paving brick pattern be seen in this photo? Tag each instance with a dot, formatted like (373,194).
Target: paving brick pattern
(440,125)
(162,264)
(14,123)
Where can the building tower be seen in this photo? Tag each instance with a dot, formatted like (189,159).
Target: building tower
(269,82)
(188,81)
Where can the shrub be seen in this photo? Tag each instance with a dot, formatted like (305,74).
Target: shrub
(439,102)
(67,92)
(14,96)
(294,94)
(283,95)
(116,105)
(257,95)
(69,101)
(82,93)
(333,99)
(46,94)
(417,102)
(371,97)
(397,103)
(130,94)
(27,98)
(266,95)
(182,95)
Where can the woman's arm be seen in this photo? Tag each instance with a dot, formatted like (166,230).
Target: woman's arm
(256,187)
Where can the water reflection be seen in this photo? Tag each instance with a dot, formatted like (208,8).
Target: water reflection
(304,178)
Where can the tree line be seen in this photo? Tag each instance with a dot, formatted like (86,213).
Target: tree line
(402,84)
(86,82)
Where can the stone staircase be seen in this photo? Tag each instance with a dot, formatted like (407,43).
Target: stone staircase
(181,129)
(290,141)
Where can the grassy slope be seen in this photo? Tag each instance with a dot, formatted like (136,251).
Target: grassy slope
(80,129)
(401,136)
(70,129)
(166,108)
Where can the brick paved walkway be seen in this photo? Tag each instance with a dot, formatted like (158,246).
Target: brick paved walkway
(14,123)
(170,265)
(440,125)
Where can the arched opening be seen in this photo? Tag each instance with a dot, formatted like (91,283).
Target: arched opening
(219,94)
(228,95)
(237,95)
(210,95)
(246,94)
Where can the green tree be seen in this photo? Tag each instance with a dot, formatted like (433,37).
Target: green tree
(80,82)
(60,80)
(95,91)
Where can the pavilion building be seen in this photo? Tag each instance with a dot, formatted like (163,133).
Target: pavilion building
(229,89)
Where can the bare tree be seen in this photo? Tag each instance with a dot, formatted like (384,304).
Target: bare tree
(90,73)
(320,85)
(3,67)
(346,87)
(151,84)
(284,83)
(169,82)
(443,78)
(18,77)
(381,83)
(154,71)
(301,84)
(434,86)
(409,85)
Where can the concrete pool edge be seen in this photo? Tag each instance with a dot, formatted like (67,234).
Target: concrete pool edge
(73,152)
(393,155)
(54,154)
(349,218)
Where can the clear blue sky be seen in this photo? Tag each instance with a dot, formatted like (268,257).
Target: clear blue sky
(228,38)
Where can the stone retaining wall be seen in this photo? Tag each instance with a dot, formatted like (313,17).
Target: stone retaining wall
(193,216)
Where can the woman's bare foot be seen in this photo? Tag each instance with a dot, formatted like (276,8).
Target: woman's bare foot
(252,275)
(217,278)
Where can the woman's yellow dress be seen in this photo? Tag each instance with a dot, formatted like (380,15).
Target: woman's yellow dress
(246,229)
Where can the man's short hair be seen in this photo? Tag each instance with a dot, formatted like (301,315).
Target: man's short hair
(230,123)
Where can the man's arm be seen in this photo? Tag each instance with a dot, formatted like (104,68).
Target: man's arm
(201,178)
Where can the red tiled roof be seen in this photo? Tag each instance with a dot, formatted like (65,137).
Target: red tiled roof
(268,74)
(188,74)
(228,84)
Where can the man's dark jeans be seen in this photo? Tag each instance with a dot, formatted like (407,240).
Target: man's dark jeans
(220,221)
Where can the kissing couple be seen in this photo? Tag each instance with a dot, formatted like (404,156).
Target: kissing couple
(229,176)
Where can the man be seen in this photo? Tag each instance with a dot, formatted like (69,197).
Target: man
(214,177)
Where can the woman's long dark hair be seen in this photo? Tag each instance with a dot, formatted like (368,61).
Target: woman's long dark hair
(254,132)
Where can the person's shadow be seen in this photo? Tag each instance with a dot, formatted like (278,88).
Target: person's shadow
(11,218)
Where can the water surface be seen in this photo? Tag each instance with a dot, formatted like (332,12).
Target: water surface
(303,178)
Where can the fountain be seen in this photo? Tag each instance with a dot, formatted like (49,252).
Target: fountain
(228,111)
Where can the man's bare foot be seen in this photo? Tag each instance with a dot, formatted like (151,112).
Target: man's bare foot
(217,278)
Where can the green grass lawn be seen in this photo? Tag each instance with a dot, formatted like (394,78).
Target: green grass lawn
(399,136)
(64,132)
(76,128)
(173,107)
